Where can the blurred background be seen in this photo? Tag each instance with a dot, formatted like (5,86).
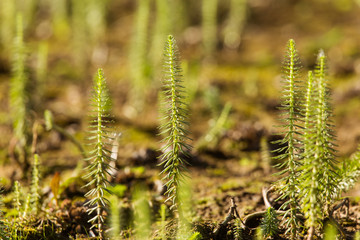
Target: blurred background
(231,54)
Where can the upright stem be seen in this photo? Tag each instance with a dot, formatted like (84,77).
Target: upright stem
(99,156)
(292,182)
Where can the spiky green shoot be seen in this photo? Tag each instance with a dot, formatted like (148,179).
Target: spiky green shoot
(142,213)
(350,173)
(161,29)
(310,198)
(163,221)
(115,218)
(99,156)
(324,148)
(235,24)
(35,195)
(174,112)
(319,181)
(27,206)
(138,58)
(42,67)
(270,223)
(265,154)
(18,98)
(290,153)
(237,230)
(186,210)
(17,193)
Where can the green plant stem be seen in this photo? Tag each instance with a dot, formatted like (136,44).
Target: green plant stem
(99,168)
(324,141)
(290,156)
(309,182)
(175,115)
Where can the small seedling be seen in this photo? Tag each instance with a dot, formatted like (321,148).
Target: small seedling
(270,223)
(35,194)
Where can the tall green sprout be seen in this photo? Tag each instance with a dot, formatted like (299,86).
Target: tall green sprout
(235,24)
(350,173)
(88,28)
(81,36)
(142,215)
(290,153)
(309,183)
(17,198)
(174,112)
(7,22)
(18,95)
(96,20)
(324,135)
(138,57)
(42,65)
(319,176)
(115,218)
(161,30)
(209,26)
(28,10)
(100,156)
(60,19)
(35,186)
(179,10)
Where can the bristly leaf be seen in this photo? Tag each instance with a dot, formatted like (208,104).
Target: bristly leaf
(99,155)
(290,153)
(174,113)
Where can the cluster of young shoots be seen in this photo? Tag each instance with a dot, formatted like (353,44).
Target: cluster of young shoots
(311,177)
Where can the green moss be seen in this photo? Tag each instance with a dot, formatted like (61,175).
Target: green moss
(231,184)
